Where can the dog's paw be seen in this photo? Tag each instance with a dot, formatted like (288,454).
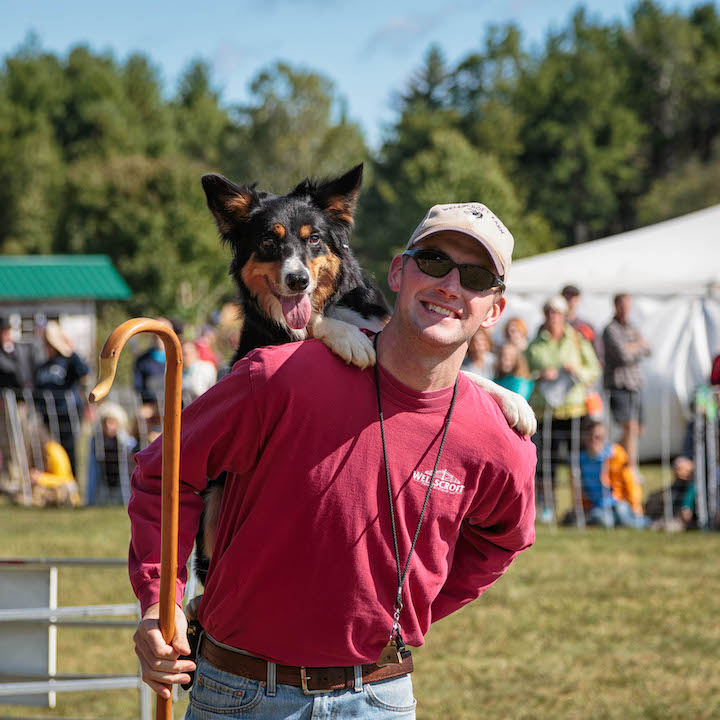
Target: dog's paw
(345,340)
(515,408)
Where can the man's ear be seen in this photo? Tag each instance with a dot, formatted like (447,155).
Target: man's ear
(337,197)
(229,203)
(494,313)
(395,273)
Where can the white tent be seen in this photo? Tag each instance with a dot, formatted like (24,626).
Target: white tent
(672,272)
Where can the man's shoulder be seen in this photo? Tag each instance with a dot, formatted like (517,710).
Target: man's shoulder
(489,428)
(306,361)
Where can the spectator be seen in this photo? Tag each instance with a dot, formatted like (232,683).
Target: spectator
(54,483)
(109,461)
(149,372)
(624,348)
(480,358)
(512,370)
(682,499)
(516,333)
(204,343)
(715,372)
(198,375)
(600,502)
(60,375)
(572,297)
(564,366)
(17,362)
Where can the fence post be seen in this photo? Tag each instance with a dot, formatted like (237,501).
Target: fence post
(665,440)
(17,443)
(700,485)
(575,480)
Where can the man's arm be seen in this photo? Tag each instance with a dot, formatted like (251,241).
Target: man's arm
(219,431)
(490,540)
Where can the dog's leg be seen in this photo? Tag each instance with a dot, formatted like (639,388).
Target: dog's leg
(345,340)
(515,408)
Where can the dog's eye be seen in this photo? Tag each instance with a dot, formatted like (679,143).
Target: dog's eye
(268,243)
(314,239)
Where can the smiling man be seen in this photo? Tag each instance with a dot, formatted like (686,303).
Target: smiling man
(360,507)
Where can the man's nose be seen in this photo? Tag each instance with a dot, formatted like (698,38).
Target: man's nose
(450,284)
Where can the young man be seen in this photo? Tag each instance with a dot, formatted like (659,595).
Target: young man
(339,478)
(625,347)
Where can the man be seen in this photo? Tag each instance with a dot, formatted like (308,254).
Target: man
(16,361)
(564,365)
(625,347)
(307,574)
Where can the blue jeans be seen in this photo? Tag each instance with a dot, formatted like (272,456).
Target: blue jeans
(218,694)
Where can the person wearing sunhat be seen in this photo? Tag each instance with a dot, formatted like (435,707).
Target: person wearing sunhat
(349,464)
(57,387)
(564,366)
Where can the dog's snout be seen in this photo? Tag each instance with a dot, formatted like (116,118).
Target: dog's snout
(297,281)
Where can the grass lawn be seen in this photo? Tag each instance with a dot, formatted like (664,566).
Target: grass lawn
(591,624)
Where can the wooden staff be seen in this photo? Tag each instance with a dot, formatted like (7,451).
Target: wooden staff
(170,460)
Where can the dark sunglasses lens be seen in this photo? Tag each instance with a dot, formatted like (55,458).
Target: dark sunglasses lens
(474,277)
(433,264)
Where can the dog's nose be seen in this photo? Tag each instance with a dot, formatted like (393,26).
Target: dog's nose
(297,282)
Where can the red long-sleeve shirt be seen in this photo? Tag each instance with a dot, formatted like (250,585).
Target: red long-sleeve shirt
(303,570)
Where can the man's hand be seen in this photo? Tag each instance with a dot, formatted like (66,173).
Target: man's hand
(158,660)
(550,374)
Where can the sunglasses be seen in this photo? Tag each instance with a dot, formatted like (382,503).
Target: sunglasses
(437,264)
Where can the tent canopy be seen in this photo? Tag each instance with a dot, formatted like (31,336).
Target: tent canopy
(675,257)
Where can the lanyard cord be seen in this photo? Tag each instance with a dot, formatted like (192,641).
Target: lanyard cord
(401,577)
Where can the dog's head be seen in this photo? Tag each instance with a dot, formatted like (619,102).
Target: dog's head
(287,249)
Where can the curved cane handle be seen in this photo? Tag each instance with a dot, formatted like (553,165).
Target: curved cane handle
(109,357)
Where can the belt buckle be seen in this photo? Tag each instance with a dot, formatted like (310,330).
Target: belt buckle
(304,683)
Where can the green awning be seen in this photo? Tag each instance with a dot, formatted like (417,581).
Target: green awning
(41,277)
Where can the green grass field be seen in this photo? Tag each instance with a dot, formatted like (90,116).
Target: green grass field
(591,624)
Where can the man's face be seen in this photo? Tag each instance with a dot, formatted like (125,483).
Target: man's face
(622,307)
(555,321)
(440,311)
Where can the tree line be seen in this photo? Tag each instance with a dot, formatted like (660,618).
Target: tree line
(604,128)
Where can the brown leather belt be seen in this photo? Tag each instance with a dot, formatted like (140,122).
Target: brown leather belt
(311,679)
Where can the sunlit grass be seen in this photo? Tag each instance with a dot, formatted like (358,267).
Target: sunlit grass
(593,624)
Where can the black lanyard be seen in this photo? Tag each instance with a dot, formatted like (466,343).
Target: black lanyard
(397,608)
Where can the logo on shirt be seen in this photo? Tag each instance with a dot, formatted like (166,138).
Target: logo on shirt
(444,481)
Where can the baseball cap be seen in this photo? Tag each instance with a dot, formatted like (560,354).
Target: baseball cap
(472,219)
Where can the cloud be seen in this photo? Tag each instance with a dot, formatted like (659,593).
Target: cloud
(397,33)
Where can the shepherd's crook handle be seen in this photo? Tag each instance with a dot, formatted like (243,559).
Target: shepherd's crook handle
(170,460)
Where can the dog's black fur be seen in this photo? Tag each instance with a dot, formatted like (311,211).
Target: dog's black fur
(292,264)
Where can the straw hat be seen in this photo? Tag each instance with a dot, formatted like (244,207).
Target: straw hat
(114,411)
(56,338)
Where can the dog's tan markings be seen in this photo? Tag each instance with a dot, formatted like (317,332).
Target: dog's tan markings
(324,270)
(255,275)
(342,207)
(238,205)
(279,230)
(305,231)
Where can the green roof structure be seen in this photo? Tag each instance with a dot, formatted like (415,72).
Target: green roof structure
(42,277)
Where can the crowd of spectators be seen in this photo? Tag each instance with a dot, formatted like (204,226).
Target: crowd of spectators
(569,371)
(48,432)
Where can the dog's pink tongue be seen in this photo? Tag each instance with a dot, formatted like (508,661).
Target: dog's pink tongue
(296,309)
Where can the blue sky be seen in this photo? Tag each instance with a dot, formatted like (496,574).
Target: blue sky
(368,49)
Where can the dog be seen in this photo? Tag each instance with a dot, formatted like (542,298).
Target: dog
(297,278)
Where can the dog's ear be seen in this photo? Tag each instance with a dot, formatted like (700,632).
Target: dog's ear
(229,203)
(337,197)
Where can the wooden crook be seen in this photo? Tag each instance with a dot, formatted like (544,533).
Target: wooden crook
(170,460)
